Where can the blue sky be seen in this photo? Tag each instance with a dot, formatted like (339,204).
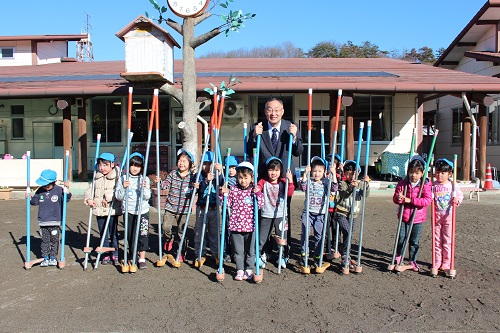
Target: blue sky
(390,24)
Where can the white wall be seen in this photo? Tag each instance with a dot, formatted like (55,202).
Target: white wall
(22,53)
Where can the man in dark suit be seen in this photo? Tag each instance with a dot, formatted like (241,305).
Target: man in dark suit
(275,139)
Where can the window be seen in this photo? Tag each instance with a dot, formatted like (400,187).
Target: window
(107,119)
(140,119)
(378,109)
(6,53)
(17,115)
(456,125)
(494,125)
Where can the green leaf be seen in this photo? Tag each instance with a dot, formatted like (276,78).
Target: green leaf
(223,85)
(163,9)
(208,90)
(229,92)
(147,15)
(223,5)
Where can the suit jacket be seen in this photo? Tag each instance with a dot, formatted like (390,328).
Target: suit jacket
(267,150)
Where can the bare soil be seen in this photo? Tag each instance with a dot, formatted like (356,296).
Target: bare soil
(188,299)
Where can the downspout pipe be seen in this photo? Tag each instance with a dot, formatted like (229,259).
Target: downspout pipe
(474,135)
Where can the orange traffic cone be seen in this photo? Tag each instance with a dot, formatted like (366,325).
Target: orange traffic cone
(488,181)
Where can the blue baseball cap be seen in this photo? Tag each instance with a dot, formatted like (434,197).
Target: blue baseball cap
(352,162)
(136,154)
(107,157)
(209,157)
(46,177)
(182,150)
(273,158)
(445,160)
(231,161)
(322,160)
(418,158)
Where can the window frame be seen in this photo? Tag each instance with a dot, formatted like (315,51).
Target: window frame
(2,48)
(456,112)
(17,117)
(390,121)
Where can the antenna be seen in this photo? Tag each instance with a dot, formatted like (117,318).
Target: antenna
(84,49)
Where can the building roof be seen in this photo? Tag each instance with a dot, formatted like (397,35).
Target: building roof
(467,39)
(362,75)
(141,20)
(44,38)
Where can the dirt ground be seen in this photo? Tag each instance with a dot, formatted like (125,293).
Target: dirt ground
(167,299)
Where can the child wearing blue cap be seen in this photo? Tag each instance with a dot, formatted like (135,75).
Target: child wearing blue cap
(49,199)
(106,178)
(231,163)
(136,185)
(212,220)
(444,198)
(343,207)
(179,186)
(412,202)
(319,195)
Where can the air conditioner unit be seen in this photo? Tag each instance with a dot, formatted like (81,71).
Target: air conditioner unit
(234,109)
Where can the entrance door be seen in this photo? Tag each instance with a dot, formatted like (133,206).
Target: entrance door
(47,141)
(316,125)
(43,144)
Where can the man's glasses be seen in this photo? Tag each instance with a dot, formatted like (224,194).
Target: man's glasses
(275,111)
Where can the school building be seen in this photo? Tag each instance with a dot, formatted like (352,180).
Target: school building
(50,102)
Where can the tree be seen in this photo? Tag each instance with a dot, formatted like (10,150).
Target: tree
(283,50)
(346,50)
(324,50)
(186,95)
(423,55)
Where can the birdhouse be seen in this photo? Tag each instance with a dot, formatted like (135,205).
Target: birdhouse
(149,51)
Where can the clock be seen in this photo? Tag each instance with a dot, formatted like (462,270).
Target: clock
(188,8)
(52,109)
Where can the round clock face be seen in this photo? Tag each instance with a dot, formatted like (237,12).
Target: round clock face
(187,8)
(52,110)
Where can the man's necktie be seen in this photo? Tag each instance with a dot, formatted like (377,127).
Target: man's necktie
(274,138)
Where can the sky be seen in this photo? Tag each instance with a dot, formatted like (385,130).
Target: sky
(390,24)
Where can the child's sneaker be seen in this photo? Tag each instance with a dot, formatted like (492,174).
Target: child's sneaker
(116,262)
(316,261)
(414,266)
(142,265)
(181,258)
(248,274)
(398,260)
(303,259)
(168,246)
(239,275)
(350,265)
(283,262)
(263,261)
(52,262)
(106,260)
(44,263)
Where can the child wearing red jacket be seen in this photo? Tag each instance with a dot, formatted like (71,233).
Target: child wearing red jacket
(411,203)
(273,186)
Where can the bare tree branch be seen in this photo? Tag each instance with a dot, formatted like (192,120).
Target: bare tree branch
(174,25)
(202,18)
(204,38)
(173,91)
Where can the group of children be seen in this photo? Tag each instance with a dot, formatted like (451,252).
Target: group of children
(112,190)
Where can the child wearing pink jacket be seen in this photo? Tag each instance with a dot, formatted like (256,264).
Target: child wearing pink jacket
(240,202)
(411,203)
(444,199)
